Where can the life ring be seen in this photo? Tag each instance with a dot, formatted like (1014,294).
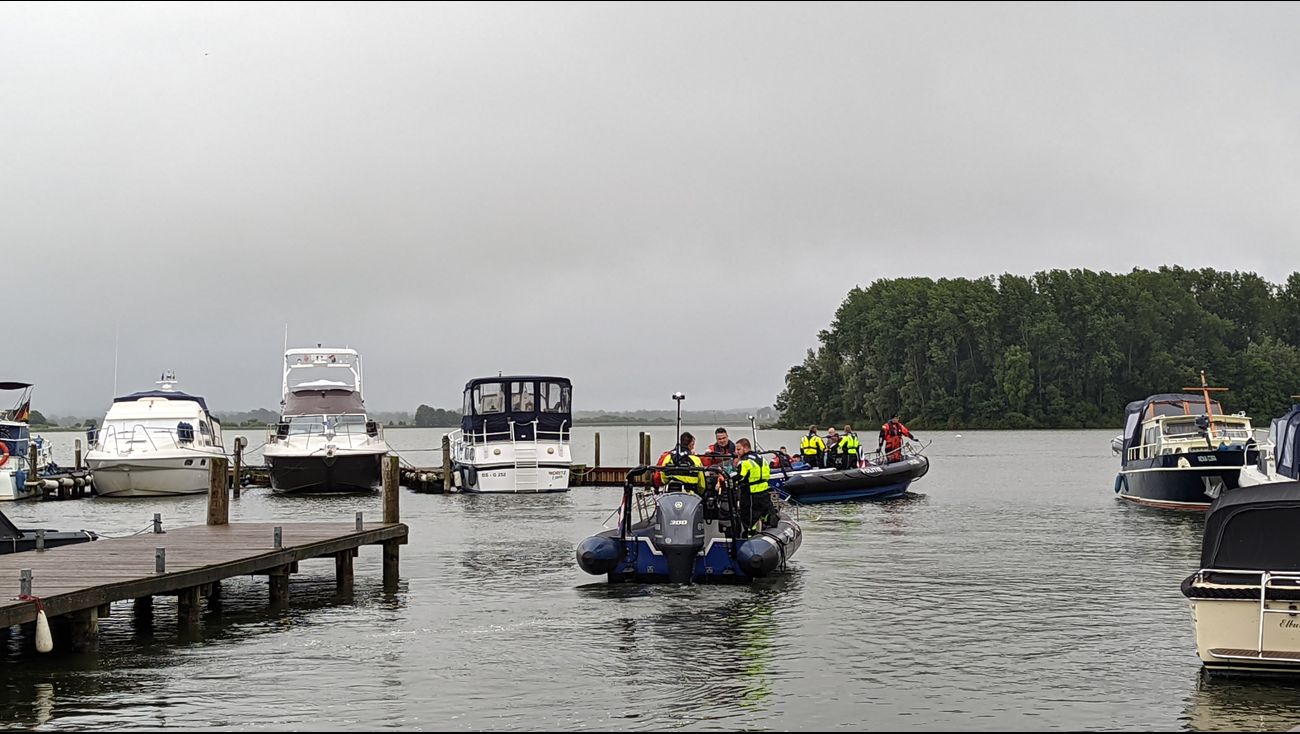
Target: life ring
(4,453)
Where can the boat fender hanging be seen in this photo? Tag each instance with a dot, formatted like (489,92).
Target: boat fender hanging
(44,641)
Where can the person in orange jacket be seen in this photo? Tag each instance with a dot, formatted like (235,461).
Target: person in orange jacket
(891,437)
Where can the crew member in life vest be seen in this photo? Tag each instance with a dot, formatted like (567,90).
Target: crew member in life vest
(756,509)
(722,451)
(681,455)
(850,448)
(891,437)
(812,448)
(833,448)
(782,460)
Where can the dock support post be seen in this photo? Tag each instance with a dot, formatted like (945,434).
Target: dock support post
(187,607)
(597,464)
(76,463)
(81,630)
(392,478)
(391,564)
(32,473)
(447,485)
(640,449)
(218,495)
(142,614)
(343,571)
(239,464)
(214,595)
(279,578)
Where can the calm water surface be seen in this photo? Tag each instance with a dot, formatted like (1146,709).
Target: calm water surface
(1011,591)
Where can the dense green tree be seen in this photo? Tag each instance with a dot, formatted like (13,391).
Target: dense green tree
(1055,349)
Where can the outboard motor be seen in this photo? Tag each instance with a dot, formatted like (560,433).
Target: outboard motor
(598,554)
(679,533)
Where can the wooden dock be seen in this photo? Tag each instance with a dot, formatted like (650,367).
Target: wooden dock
(76,584)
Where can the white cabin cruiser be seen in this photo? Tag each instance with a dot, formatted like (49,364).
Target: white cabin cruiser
(155,443)
(324,443)
(514,435)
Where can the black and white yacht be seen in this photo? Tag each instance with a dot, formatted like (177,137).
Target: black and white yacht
(1180,451)
(324,442)
(514,435)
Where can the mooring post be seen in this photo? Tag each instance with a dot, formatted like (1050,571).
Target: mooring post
(640,449)
(391,564)
(33,475)
(597,464)
(278,537)
(392,479)
(40,540)
(25,582)
(360,524)
(160,560)
(218,495)
(239,464)
(157,523)
(76,463)
(343,571)
(187,607)
(279,578)
(447,485)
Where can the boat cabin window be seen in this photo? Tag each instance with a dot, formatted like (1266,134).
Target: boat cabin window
(1181,429)
(489,398)
(555,397)
(1149,437)
(522,397)
(349,423)
(302,424)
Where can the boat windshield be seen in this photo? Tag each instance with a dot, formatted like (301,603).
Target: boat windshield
(325,370)
(304,424)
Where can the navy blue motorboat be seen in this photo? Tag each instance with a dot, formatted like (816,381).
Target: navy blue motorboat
(682,537)
(872,481)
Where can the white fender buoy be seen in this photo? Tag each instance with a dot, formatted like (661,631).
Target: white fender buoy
(44,642)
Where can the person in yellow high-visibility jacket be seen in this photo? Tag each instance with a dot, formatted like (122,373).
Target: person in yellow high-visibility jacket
(683,455)
(756,508)
(813,448)
(850,448)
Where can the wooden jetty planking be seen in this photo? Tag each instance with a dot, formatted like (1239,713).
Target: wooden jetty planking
(78,577)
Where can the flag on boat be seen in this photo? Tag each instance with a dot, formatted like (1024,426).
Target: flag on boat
(24,411)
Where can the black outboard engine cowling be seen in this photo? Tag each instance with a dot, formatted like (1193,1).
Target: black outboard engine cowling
(679,533)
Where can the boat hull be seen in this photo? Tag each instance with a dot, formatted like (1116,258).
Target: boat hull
(1173,482)
(13,484)
(509,479)
(1228,639)
(869,483)
(150,476)
(339,474)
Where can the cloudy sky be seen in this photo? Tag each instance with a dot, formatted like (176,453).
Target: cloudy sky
(646,198)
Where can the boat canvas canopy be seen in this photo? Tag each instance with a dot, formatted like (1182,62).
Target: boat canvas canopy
(14,385)
(1286,443)
(323,402)
(493,403)
(1155,406)
(1254,529)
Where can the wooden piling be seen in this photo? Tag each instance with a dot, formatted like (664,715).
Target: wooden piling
(343,571)
(32,472)
(392,481)
(391,564)
(188,607)
(239,464)
(279,579)
(218,494)
(447,483)
(640,449)
(76,462)
(597,464)
(80,630)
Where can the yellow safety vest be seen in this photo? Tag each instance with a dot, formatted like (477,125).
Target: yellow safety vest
(812,445)
(756,473)
(850,444)
(693,480)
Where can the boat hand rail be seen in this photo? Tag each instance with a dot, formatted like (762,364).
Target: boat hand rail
(1265,583)
(320,430)
(112,432)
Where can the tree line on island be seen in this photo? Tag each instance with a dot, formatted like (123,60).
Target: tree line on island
(1058,349)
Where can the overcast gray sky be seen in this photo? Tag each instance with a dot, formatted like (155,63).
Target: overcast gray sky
(461,189)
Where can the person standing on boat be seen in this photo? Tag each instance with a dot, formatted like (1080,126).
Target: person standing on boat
(722,451)
(812,447)
(833,448)
(891,437)
(850,447)
(682,455)
(756,508)
(782,460)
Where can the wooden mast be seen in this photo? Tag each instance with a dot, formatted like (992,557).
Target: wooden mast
(1205,391)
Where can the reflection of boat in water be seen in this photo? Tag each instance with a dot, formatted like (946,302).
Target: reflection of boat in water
(15,540)
(874,480)
(1279,459)
(1246,597)
(681,537)
(1181,451)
